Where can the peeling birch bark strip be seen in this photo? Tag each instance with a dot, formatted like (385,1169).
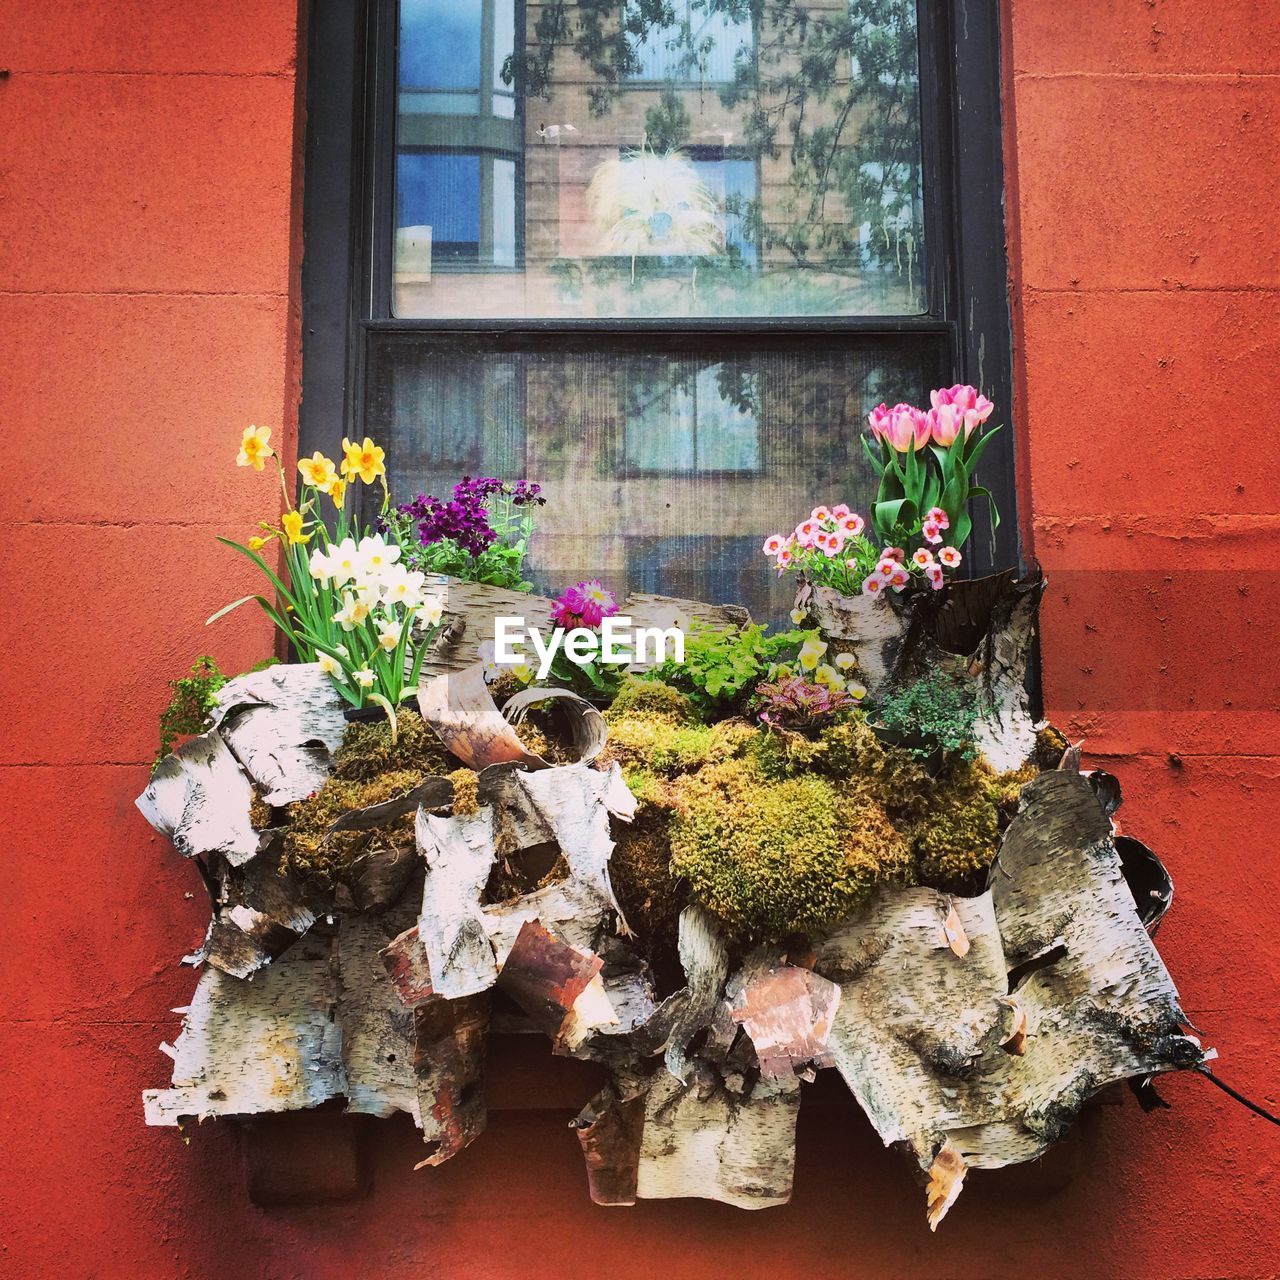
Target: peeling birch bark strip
(199,798)
(609,1129)
(558,987)
(573,910)
(706,965)
(284,724)
(699,1140)
(247,1048)
(577,801)
(914,1018)
(378,1035)
(462,714)
(946,1179)
(586,725)
(449,1065)
(518,823)
(459,856)
(405,960)
(260,914)
(787,1013)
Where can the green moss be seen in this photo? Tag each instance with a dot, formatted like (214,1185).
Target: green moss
(772,857)
(466,792)
(310,852)
(1051,742)
(956,837)
(190,708)
(651,698)
(650,892)
(367,750)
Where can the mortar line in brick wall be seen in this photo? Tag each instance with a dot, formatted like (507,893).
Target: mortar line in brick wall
(1173,288)
(287,74)
(1145,75)
(142,293)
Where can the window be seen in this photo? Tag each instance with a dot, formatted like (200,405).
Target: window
(661,257)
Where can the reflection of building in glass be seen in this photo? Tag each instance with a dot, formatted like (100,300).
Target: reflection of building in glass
(811,165)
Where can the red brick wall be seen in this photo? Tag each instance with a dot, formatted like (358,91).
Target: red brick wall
(149,210)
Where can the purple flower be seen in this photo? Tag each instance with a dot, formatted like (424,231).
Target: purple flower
(464,519)
(586,604)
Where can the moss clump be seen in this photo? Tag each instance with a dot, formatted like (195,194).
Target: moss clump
(260,814)
(640,699)
(1051,742)
(310,851)
(466,792)
(772,857)
(367,750)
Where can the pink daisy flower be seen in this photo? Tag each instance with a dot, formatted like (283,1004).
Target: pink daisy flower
(935,575)
(805,532)
(932,533)
(900,579)
(772,544)
(894,553)
(887,567)
(949,556)
(820,513)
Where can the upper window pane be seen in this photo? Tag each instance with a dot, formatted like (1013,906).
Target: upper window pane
(661,158)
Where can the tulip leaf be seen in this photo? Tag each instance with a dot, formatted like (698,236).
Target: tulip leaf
(979,448)
(872,457)
(977,491)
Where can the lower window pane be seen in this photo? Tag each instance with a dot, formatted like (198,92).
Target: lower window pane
(662,472)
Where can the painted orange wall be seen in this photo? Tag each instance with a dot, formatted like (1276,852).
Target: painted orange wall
(147,166)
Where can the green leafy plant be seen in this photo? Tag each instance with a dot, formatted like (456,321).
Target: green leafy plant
(722,667)
(190,707)
(935,712)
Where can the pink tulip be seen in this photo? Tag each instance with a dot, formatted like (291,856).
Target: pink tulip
(908,429)
(961,403)
(945,421)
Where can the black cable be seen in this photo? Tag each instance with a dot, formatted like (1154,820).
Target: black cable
(1239,1097)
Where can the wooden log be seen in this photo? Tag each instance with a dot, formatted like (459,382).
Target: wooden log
(705,959)
(609,1129)
(449,1065)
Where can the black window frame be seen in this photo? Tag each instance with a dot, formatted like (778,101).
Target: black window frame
(350,140)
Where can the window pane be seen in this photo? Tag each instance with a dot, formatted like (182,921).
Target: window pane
(438,199)
(672,157)
(661,472)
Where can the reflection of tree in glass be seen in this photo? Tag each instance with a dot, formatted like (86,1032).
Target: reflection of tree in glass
(836,88)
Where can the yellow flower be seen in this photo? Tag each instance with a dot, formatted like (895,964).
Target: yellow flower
(829,676)
(363,460)
(254,448)
(256,544)
(808,659)
(858,691)
(337,490)
(292,522)
(317,471)
(844,661)
(797,617)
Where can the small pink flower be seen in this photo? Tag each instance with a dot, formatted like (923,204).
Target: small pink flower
(851,564)
(839,511)
(887,567)
(939,517)
(773,544)
(834,544)
(873,585)
(935,575)
(852,525)
(931,532)
(949,556)
(900,579)
(805,532)
(820,513)
(923,557)
(894,553)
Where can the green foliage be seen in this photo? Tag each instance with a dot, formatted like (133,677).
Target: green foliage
(934,712)
(667,126)
(190,707)
(722,667)
(501,565)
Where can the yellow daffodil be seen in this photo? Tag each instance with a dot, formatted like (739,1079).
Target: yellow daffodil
(317,471)
(363,460)
(337,490)
(829,676)
(256,544)
(255,448)
(292,522)
(389,635)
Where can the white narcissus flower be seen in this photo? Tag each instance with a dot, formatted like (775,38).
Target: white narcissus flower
(378,554)
(319,565)
(331,667)
(430,611)
(344,562)
(364,678)
(353,612)
(797,617)
(402,586)
(389,634)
